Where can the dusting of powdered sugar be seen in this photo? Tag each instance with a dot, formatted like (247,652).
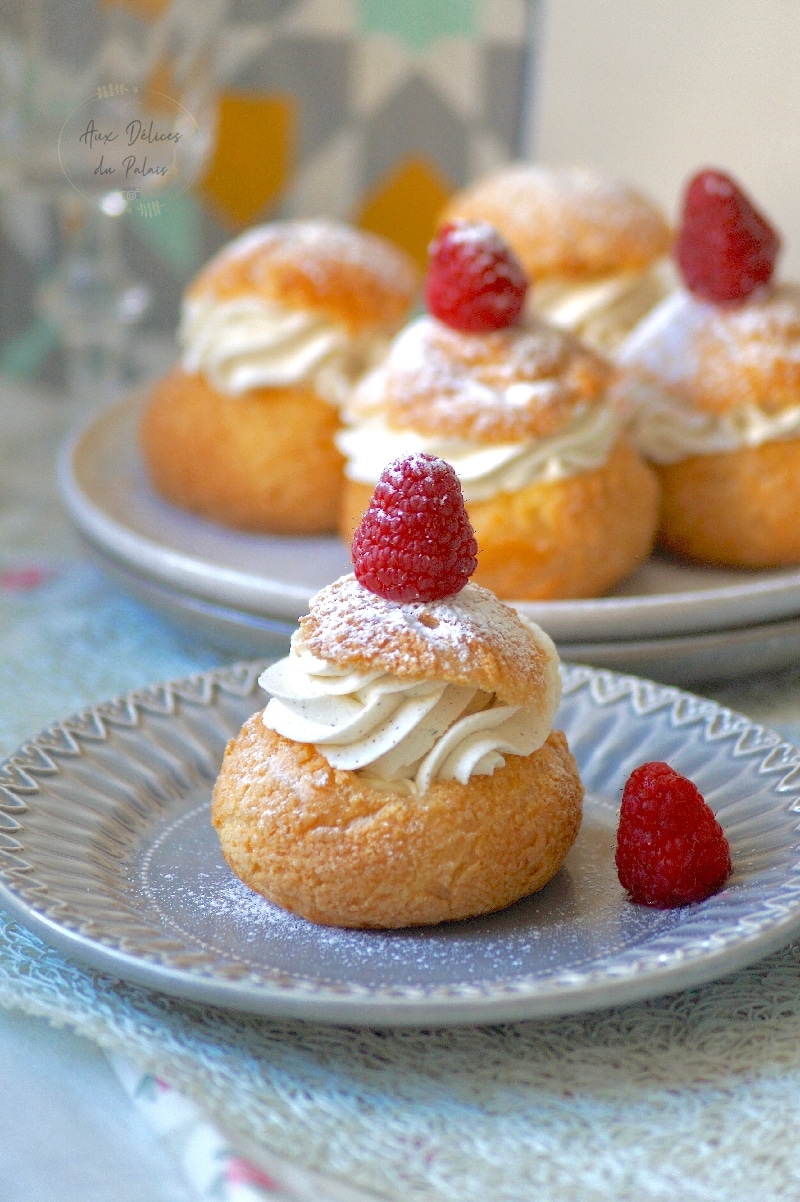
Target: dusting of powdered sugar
(663,344)
(571,220)
(192,894)
(523,381)
(470,637)
(313,247)
(721,356)
(441,359)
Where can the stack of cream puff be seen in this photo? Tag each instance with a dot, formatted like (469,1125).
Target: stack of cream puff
(405,769)
(562,504)
(595,248)
(274,332)
(715,373)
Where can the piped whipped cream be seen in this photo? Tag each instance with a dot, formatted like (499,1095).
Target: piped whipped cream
(604,310)
(665,426)
(403,734)
(247,342)
(666,429)
(484,470)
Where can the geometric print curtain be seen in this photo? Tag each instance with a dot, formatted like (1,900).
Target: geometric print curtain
(372,111)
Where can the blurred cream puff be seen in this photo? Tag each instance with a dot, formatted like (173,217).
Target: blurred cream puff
(595,248)
(561,503)
(717,413)
(274,332)
(713,377)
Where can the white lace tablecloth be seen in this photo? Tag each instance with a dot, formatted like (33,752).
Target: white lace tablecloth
(693,1096)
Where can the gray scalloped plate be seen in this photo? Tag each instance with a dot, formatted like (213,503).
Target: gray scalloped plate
(106,852)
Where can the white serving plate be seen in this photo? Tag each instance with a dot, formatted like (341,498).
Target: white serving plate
(105,489)
(687,660)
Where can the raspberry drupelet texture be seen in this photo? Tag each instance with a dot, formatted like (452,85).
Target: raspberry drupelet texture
(725,248)
(474,281)
(671,850)
(415,542)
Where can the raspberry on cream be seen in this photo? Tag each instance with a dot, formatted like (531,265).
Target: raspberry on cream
(474,281)
(409,693)
(594,247)
(712,377)
(403,671)
(725,247)
(533,423)
(405,770)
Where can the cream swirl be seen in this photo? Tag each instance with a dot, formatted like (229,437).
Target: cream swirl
(662,345)
(403,734)
(602,311)
(661,357)
(666,429)
(249,343)
(488,469)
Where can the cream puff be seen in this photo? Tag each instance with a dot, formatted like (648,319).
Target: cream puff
(405,769)
(561,503)
(715,373)
(594,248)
(274,332)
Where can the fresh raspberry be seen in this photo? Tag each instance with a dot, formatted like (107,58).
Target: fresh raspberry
(474,280)
(725,248)
(670,848)
(415,542)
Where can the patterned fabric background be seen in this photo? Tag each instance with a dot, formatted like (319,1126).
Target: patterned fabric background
(372,111)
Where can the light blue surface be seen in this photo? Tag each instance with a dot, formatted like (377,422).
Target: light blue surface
(67,637)
(583,1107)
(69,1132)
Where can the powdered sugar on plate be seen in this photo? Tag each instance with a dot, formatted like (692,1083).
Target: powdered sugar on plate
(194,894)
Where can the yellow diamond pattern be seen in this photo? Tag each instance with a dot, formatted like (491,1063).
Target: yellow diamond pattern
(405,206)
(254,156)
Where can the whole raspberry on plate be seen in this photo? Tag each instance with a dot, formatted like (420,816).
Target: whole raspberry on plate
(671,850)
(415,542)
(474,281)
(725,248)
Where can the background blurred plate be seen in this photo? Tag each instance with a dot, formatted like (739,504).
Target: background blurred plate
(689,659)
(106,491)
